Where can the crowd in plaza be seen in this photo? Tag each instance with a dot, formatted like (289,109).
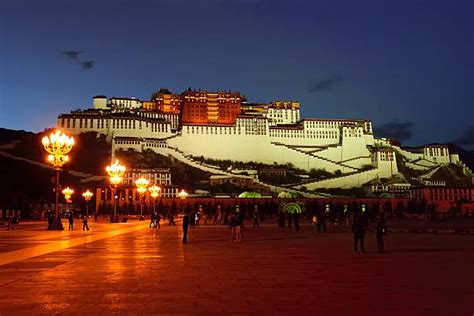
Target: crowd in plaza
(356,218)
(325,217)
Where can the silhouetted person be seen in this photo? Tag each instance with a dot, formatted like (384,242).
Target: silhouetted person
(85,224)
(171,219)
(157,220)
(381,232)
(9,223)
(256,217)
(358,228)
(152,220)
(50,220)
(218,216)
(71,221)
(236,224)
(315,222)
(239,227)
(281,219)
(186,220)
(296,219)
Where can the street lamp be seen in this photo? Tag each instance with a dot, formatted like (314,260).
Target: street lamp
(154,193)
(182,196)
(57,145)
(115,172)
(67,195)
(87,196)
(141,184)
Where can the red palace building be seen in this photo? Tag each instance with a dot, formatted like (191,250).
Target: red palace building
(202,107)
(445,199)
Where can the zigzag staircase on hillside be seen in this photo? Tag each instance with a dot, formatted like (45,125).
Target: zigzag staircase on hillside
(337,163)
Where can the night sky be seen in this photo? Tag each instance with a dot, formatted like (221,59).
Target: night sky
(406,65)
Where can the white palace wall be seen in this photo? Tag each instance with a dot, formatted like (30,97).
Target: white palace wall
(256,148)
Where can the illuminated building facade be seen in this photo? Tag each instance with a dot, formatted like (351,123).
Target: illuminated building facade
(223,126)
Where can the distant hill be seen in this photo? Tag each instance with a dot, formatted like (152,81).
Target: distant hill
(9,135)
(28,176)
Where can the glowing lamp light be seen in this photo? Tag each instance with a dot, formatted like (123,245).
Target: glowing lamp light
(87,195)
(182,194)
(141,184)
(115,172)
(154,191)
(58,145)
(67,193)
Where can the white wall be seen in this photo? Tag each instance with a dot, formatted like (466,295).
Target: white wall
(343,182)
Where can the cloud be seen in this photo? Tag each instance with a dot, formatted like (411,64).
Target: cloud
(395,129)
(327,83)
(86,65)
(75,56)
(72,54)
(467,137)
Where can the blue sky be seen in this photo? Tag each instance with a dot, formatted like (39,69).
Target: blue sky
(405,63)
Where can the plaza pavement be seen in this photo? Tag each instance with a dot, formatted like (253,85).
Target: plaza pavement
(129,269)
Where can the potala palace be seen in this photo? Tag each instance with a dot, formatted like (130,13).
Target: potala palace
(224,126)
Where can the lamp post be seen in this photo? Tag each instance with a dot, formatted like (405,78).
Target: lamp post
(154,193)
(87,196)
(182,196)
(115,172)
(141,184)
(67,195)
(57,145)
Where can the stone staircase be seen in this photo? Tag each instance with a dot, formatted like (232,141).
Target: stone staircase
(180,155)
(336,164)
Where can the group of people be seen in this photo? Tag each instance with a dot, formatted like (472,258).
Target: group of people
(236,224)
(155,219)
(360,226)
(85,221)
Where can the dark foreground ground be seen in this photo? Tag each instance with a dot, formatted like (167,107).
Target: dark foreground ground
(130,269)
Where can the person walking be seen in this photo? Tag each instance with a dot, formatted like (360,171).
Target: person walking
(196,219)
(239,226)
(218,215)
(186,220)
(152,220)
(171,220)
(157,220)
(9,223)
(50,220)
(256,217)
(315,222)
(71,221)
(359,227)
(381,232)
(296,219)
(85,224)
(233,227)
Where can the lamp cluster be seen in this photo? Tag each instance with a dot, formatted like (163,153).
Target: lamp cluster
(58,145)
(116,172)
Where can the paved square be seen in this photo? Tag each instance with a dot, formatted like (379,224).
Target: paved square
(134,270)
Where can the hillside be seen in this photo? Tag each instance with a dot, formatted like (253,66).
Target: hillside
(28,176)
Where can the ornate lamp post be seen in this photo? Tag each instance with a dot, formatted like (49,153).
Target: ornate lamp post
(67,195)
(115,172)
(141,184)
(57,145)
(182,196)
(154,193)
(87,196)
